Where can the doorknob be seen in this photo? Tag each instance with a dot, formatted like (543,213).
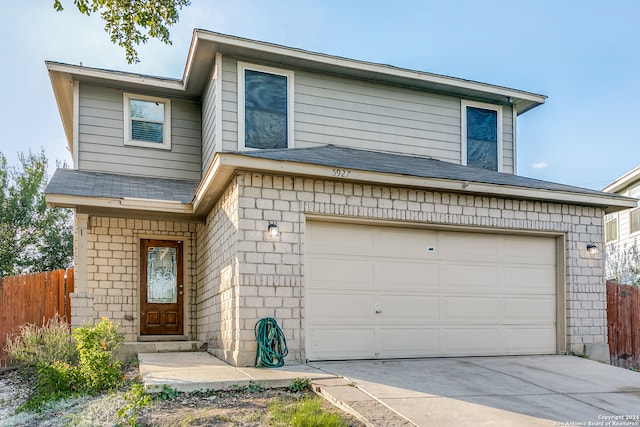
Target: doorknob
(378,309)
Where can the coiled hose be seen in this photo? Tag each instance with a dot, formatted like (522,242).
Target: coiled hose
(272,345)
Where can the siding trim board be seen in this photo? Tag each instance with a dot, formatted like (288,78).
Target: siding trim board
(75,150)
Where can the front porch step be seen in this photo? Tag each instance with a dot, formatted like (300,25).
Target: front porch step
(130,349)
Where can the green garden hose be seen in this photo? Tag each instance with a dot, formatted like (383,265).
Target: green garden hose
(272,345)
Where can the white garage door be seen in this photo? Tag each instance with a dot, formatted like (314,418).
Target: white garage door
(385,292)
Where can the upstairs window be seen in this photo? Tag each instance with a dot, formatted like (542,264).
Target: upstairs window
(264,105)
(147,121)
(482,135)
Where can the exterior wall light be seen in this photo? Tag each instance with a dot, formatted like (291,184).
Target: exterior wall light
(273,230)
(592,249)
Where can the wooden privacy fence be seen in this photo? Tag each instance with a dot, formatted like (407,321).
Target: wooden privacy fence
(33,298)
(623,324)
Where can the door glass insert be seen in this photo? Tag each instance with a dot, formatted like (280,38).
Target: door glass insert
(162,275)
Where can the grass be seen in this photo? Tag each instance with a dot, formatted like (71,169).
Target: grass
(307,412)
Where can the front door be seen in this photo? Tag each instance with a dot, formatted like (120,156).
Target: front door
(161,287)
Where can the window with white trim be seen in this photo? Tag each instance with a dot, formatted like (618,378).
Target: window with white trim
(634,221)
(482,135)
(265,113)
(147,121)
(611,230)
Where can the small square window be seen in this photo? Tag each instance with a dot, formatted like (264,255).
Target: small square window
(264,104)
(482,135)
(147,121)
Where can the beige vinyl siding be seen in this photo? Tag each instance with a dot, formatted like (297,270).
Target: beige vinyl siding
(507,140)
(332,110)
(229,105)
(208,123)
(101,137)
(359,114)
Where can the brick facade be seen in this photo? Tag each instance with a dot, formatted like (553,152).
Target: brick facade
(237,274)
(112,270)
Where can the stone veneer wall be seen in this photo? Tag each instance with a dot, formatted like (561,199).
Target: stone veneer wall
(112,282)
(239,275)
(269,273)
(217,301)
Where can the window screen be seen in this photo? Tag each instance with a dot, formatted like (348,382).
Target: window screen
(266,112)
(147,120)
(482,138)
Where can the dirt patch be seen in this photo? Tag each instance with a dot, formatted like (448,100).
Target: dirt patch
(238,407)
(224,409)
(14,391)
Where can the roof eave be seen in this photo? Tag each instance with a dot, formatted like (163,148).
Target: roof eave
(205,44)
(387,74)
(119,204)
(624,181)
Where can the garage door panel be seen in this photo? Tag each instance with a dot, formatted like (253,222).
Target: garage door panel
(340,272)
(528,309)
(407,275)
(528,340)
(470,309)
(408,342)
(343,307)
(333,238)
(539,251)
(468,246)
(410,243)
(341,343)
(469,276)
(468,340)
(518,278)
(408,308)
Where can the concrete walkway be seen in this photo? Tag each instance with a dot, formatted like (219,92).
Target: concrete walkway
(191,371)
(471,391)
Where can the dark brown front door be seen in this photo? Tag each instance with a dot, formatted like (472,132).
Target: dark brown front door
(161,287)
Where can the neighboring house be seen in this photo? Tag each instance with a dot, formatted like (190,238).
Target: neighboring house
(622,230)
(373,211)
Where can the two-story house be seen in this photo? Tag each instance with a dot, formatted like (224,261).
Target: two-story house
(622,232)
(373,211)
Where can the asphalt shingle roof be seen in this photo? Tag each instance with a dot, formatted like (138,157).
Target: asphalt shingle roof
(91,184)
(424,167)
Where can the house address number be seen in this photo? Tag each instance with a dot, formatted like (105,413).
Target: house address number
(341,173)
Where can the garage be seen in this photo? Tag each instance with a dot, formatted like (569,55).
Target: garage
(375,291)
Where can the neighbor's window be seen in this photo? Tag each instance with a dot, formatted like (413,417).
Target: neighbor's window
(611,230)
(482,135)
(264,103)
(634,221)
(147,121)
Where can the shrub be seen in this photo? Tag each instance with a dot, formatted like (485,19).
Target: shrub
(59,378)
(135,398)
(43,345)
(68,362)
(98,365)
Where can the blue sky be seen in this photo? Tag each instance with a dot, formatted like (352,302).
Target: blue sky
(583,55)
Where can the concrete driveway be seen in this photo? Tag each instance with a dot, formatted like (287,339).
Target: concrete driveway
(497,391)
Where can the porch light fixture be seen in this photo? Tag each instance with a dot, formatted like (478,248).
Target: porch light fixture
(592,249)
(273,230)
